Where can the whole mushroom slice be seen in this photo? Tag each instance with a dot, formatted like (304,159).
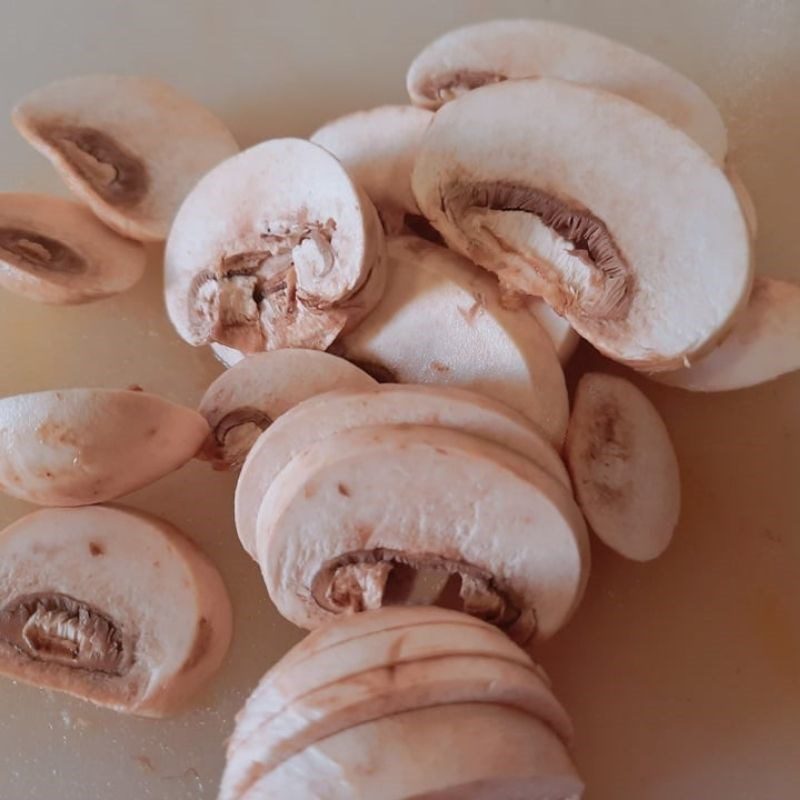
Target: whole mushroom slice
(130,147)
(55,251)
(330,539)
(503,50)
(112,606)
(390,404)
(547,184)
(474,342)
(276,247)
(249,397)
(73,447)
(623,467)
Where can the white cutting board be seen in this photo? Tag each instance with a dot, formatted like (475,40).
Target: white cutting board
(683,676)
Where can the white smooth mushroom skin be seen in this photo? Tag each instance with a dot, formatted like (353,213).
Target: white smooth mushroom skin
(55,251)
(390,404)
(623,466)
(628,242)
(244,401)
(501,50)
(129,147)
(763,345)
(112,606)
(73,447)
(745,199)
(276,247)
(226,356)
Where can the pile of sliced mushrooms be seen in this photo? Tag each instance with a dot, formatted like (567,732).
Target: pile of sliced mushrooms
(395,299)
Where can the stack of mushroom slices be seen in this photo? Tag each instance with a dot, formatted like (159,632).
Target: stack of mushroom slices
(399,703)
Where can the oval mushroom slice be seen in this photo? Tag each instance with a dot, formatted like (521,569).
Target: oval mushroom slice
(390,404)
(245,400)
(73,447)
(55,251)
(623,466)
(129,147)
(502,50)
(275,247)
(627,242)
(112,606)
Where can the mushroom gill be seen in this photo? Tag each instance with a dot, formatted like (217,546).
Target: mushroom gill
(36,252)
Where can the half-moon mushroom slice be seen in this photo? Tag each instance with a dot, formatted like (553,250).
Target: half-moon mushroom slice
(441,321)
(623,466)
(244,401)
(502,50)
(276,247)
(112,606)
(389,404)
(72,447)
(745,199)
(331,539)
(129,147)
(763,345)
(547,184)
(55,251)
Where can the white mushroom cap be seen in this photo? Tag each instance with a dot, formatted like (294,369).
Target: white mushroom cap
(616,218)
(73,447)
(112,606)
(55,251)
(500,50)
(130,147)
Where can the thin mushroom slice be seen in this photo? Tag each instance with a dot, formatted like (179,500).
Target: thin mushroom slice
(276,247)
(73,447)
(623,466)
(502,50)
(130,147)
(389,404)
(746,201)
(112,606)
(474,343)
(55,251)
(244,401)
(627,242)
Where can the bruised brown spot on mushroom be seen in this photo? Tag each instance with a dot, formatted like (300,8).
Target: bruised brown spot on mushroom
(609,448)
(447,86)
(38,253)
(343,490)
(96,549)
(438,366)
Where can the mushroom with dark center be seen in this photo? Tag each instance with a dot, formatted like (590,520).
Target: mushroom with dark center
(35,251)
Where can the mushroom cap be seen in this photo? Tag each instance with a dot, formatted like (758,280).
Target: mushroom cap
(122,609)
(389,404)
(595,204)
(130,147)
(245,400)
(501,50)
(73,447)
(623,466)
(55,251)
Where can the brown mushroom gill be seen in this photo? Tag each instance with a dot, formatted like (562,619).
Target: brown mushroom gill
(38,253)
(448,86)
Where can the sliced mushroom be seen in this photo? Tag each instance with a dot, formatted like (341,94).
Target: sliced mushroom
(227,356)
(763,345)
(249,397)
(112,606)
(548,184)
(315,419)
(474,343)
(623,466)
(274,248)
(55,251)
(129,147)
(745,199)
(73,447)
(502,50)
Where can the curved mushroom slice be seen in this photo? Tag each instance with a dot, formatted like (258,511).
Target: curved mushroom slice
(275,247)
(763,345)
(745,199)
(378,148)
(315,419)
(55,251)
(615,236)
(624,467)
(502,50)
(73,447)
(244,401)
(330,539)
(129,147)
(227,356)
(112,606)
